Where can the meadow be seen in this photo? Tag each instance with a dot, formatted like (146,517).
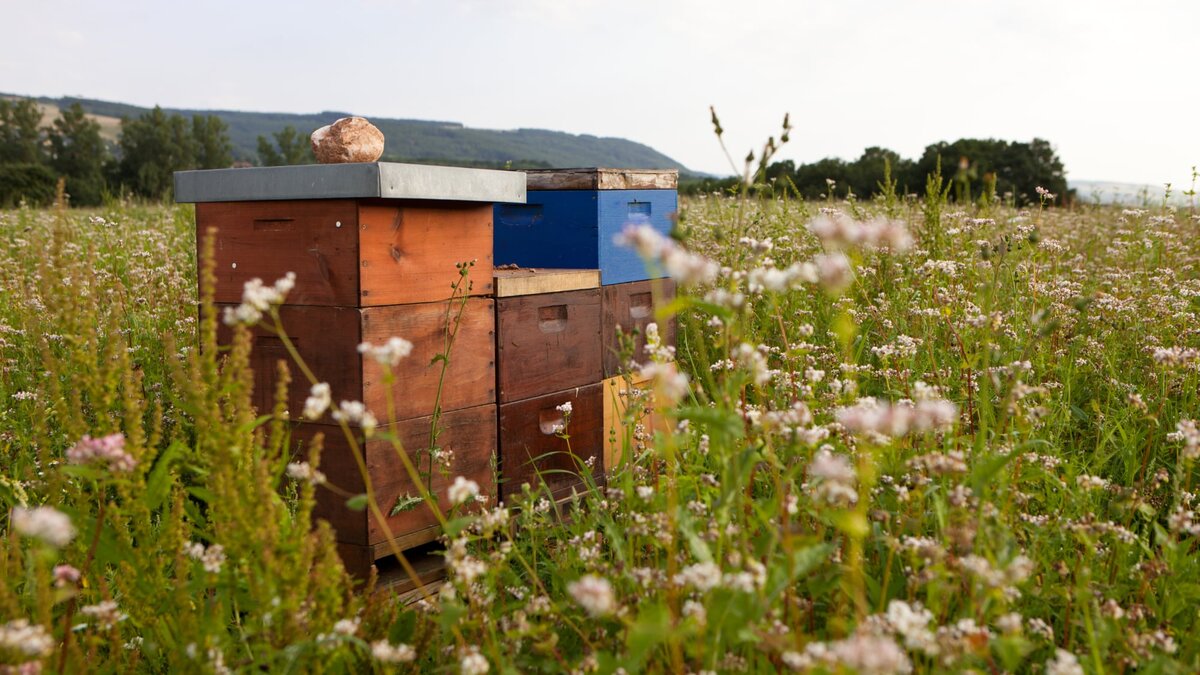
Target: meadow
(903,435)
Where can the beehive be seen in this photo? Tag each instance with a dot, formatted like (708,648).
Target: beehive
(630,419)
(548,353)
(571,217)
(374,248)
(626,311)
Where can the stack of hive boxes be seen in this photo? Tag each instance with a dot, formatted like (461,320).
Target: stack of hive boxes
(571,219)
(374,248)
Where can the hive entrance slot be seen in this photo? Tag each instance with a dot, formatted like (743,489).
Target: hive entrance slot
(551,421)
(552,319)
(640,305)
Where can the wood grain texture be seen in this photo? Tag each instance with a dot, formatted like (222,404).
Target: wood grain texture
(529,445)
(601,179)
(630,419)
(409,250)
(547,342)
(271,238)
(618,209)
(471,377)
(628,308)
(326,338)
(533,280)
(468,435)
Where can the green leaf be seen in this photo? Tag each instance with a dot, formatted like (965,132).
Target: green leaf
(405,503)
(807,559)
(357,502)
(651,628)
(158,483)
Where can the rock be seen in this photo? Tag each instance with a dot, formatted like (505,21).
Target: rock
(350,139)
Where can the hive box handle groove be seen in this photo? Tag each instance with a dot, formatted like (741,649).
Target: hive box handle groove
(552,319)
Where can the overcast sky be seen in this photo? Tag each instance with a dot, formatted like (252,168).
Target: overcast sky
(1115,86)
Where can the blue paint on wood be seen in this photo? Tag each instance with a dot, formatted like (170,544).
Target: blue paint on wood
(575,229)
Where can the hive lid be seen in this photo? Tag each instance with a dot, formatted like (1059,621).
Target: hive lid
(534,280)
(384,180)
(602,179)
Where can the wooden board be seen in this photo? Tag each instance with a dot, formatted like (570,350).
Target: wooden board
(327,338)
(618,209)
(316,239)
(627,427)
(628,307)
(469,435)
(471,376)
(601,179)
(529,444)
(350,253)
(409,250)
(547,342)
(533,280)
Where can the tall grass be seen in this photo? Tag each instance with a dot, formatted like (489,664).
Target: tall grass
(971,449)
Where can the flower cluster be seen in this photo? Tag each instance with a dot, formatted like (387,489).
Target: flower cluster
(257,298)
(109,450)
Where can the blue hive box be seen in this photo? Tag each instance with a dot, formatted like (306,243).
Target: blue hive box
(571,216)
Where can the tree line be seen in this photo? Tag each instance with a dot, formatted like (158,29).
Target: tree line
(969,168)
(149,149)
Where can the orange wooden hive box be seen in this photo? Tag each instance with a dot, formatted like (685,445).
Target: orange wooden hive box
(374,247)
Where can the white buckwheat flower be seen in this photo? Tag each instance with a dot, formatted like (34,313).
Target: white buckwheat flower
(319,399)
(463,490)
(389,353)
(387,653)
(594,594)
(44,522)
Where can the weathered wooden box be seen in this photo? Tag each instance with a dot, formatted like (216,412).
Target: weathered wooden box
(627,309)
(532,451)
(571,217)
(356,235)
(630,419)
(327,338)
(468,435)
(547,331)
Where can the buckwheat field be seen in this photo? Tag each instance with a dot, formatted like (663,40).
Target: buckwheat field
(899,435)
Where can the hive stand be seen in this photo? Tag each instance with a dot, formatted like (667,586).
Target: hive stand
(374,248)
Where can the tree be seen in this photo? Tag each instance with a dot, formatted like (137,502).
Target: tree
(20,133)
(293,148)
(1018,168)
(213,147)
(153,147)
(77,153)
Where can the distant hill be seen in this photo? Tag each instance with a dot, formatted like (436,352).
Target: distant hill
(408,140)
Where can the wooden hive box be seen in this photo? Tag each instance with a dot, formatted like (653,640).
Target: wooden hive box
(627,309)
(630,419)
(468,435)
(531,450)
(374,247)
(327,338)
(571,216)
(547,331)
(356,235)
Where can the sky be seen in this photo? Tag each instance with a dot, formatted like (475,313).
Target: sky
(1114,86)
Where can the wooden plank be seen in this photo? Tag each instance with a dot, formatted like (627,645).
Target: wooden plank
(630,307)
(325,337)
(409,250)
(602,179)
(471,376)
(530,445)
(628,427)
(469,438)
(547,343)
(316,239)
(533,280)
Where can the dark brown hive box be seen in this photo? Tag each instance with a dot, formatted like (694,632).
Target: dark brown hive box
(548,331)
(628,307)
(531,450)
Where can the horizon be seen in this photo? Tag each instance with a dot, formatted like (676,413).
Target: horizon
(833,83)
